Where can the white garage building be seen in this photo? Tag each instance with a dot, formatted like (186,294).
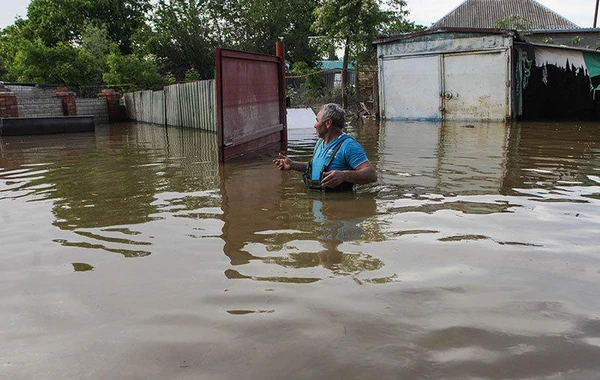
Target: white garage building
(481,74)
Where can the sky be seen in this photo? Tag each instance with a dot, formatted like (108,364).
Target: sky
(423,12)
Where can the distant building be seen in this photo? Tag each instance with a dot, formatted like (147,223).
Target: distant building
(492,13)
(332,73)
(484,74)
(491,60)
(535,22)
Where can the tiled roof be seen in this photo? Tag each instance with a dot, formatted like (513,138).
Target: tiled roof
(485,14)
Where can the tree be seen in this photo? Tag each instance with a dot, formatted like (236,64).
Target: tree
(353,25)
(95,41)
(265,22)
(61,64)
(186,32)
(55,21)
(132,73)
(313,83)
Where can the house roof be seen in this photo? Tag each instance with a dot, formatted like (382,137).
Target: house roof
(334,65)
(485,14)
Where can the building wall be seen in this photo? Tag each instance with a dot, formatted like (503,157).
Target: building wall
(443,43)
(446,76)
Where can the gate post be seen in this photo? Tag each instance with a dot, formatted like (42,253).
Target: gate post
(8,103)
(112,102)
(68,101)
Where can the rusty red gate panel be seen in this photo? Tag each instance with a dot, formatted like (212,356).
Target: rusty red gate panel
(251,111)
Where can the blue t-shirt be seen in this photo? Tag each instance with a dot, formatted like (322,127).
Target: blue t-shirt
(348,157)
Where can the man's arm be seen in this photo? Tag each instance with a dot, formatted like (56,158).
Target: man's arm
(283,162)
(364,173)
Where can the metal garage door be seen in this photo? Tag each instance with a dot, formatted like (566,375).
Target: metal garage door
(476,86)
(410,88)
(459,86)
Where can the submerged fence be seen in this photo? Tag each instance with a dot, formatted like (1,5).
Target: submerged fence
(191,105)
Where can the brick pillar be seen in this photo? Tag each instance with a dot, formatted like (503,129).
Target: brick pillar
(115,112)
(8,103)
(68,101)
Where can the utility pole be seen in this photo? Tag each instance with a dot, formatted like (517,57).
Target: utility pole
(596,13)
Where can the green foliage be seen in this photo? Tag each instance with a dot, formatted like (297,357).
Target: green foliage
(312,83)
(353,25)
(11,40)
(96,42)
(62,63)
(516,22)
(192,75)
(183,37)
(399,26)
(87,42)
(131,73)
(186,32)
(264,22)
(55,21)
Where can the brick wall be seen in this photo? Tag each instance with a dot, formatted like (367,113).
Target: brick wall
(93,107)
(367,75)
(31,91)
(40,101)
(8,103)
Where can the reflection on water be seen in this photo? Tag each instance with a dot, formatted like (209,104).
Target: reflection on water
(474,256)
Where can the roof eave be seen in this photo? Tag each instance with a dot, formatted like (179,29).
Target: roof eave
(494,31)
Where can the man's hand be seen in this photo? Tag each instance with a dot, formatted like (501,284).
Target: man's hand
(333,178)
(283,162)
(364,173)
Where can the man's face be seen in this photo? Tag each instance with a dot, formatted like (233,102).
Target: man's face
(321,125)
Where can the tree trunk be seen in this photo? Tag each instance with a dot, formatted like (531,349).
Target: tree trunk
(345,73)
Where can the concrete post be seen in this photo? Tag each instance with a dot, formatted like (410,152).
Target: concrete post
(8,103)
(115,113)
(68,101)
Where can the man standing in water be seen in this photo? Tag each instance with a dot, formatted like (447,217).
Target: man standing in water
(339,162)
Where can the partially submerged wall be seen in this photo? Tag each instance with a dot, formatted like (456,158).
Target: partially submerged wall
(39,101)
(93,107)
(36,101)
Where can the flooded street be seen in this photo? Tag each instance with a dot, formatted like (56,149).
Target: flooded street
(131,253)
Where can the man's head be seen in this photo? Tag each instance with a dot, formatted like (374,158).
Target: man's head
(335,113)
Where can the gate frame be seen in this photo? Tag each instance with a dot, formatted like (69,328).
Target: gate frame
(265,136)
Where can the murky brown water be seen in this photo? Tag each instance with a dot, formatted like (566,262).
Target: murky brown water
(130,253)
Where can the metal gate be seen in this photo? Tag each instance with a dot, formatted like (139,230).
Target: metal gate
(251,111)
(453,86)
(476,86)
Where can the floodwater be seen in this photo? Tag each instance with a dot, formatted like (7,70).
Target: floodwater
(131,253)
